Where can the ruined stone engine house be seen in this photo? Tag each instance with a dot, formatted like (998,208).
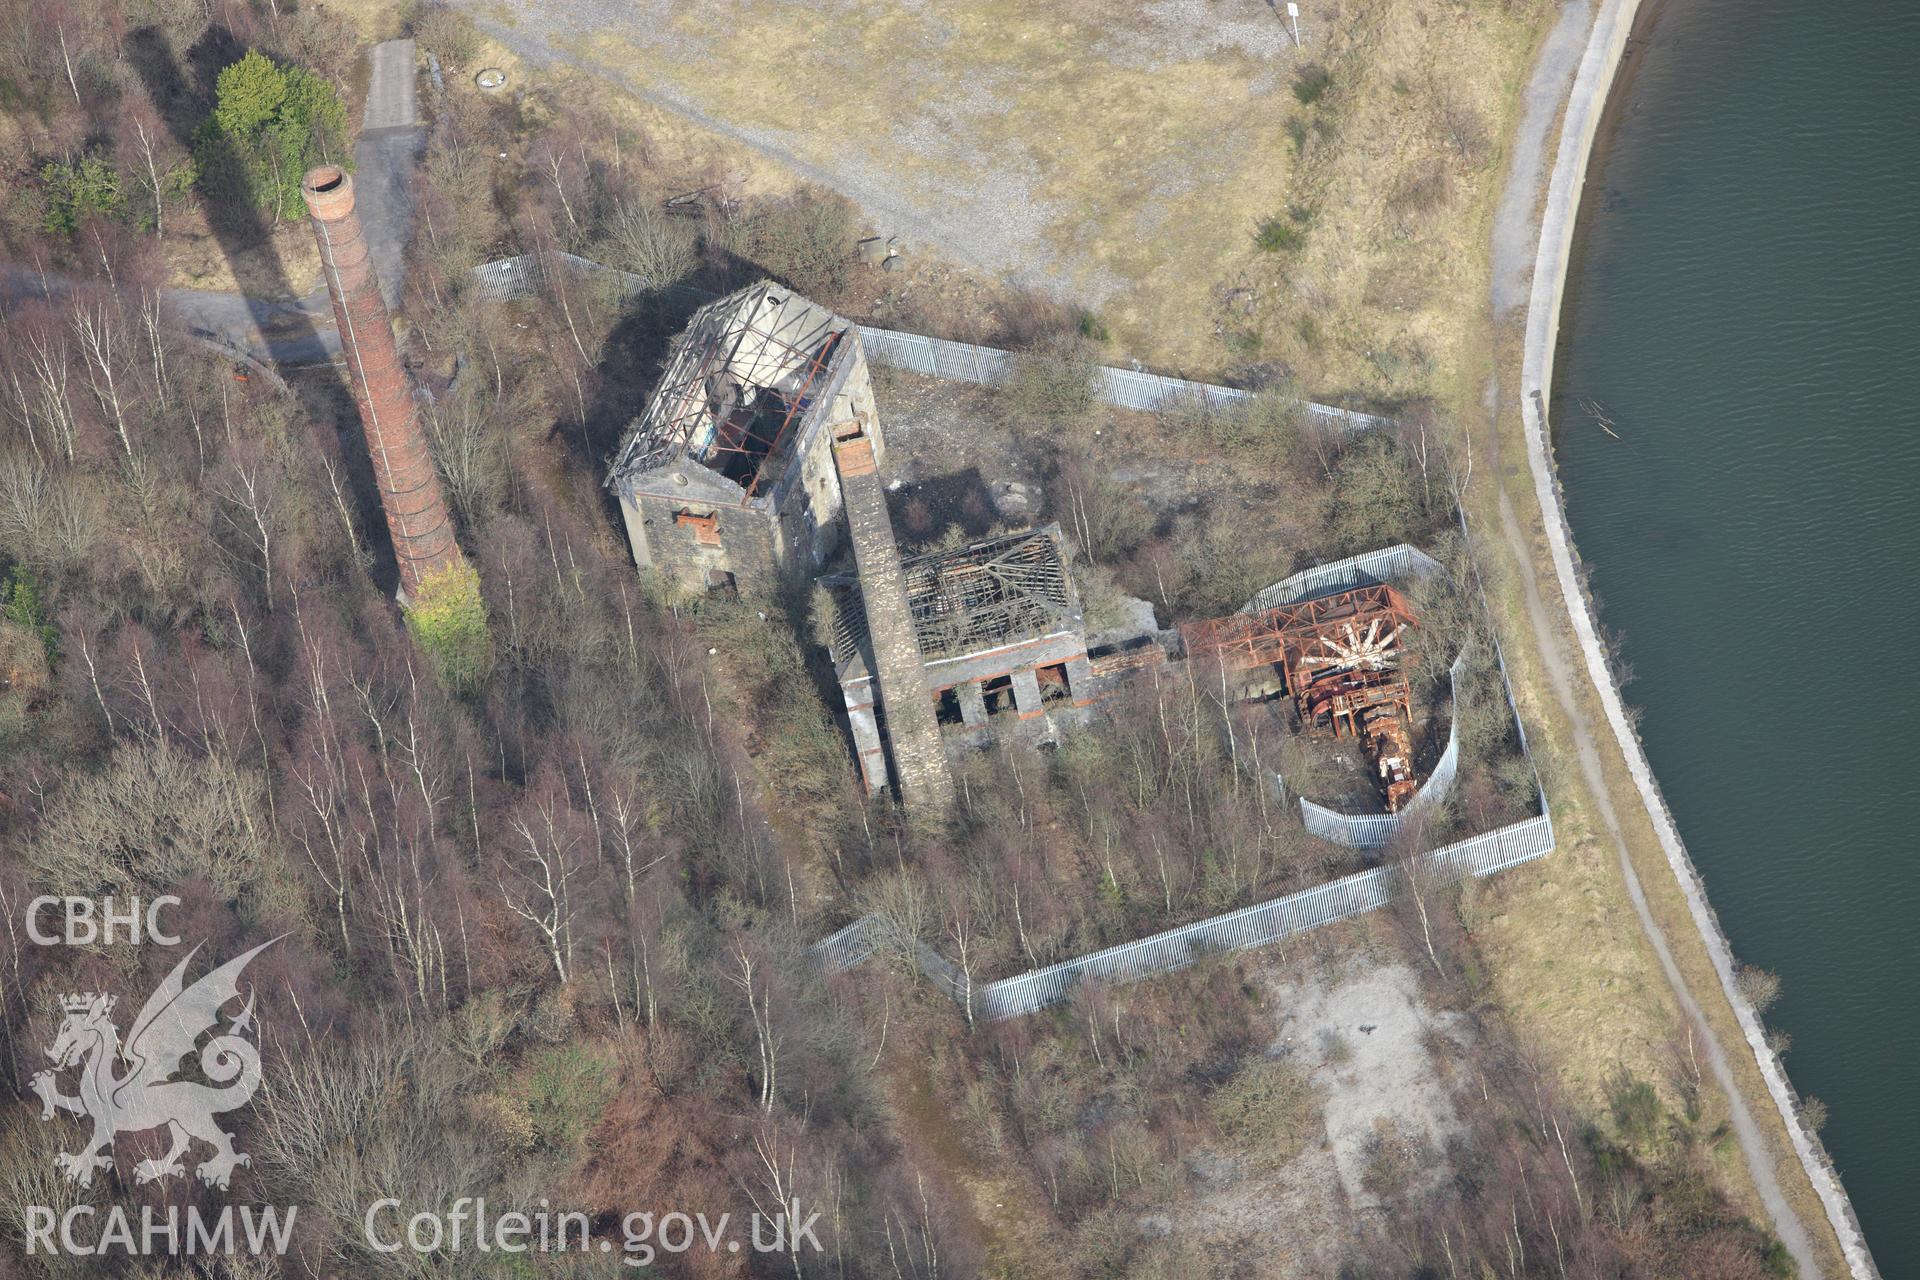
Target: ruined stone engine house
(727,474)
(999,630)
(761,449)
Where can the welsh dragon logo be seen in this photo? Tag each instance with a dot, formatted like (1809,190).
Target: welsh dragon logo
(145,1096)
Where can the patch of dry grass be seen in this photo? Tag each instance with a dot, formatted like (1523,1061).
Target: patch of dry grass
(376,20)
(1398,166)
(286,265)
(1125,160)
(1029,141)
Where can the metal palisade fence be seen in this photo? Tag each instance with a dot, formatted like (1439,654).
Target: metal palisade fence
(1127,388)
(1258,926)
(1368,569)
(505,279)
(845,948)
(510,278)
(1249,927)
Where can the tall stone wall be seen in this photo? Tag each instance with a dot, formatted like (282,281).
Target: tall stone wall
(720,537)
(913,733)
(810,524)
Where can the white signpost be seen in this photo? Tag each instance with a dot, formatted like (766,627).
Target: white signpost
(1293,16)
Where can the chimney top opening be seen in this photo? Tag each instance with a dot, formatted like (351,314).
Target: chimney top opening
(325,178)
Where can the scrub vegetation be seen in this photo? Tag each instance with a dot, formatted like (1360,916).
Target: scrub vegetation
(269,125)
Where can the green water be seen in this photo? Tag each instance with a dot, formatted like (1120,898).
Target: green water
(1742,306)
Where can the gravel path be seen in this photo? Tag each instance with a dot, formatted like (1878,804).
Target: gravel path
(993,226)
(384,160)
(1514,225)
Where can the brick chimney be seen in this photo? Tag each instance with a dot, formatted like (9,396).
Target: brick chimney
(416,510)
(913,732)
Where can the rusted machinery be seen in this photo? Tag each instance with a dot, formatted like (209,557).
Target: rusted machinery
(1341,659)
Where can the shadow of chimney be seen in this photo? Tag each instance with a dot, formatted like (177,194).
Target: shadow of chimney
(182,91)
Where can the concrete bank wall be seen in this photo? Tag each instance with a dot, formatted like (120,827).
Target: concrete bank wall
(1598,67)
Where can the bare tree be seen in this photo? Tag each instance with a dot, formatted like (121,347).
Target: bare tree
(469,447)
(250,507)
(771,1183)
(965,953)
(46,516)
(404,892)
(150,319)
(645,240)
(66,58)
(334,847)
(749,975)
(95,327)
(559,165)
(47,359)
(539,881)
(161,168)
(336,489)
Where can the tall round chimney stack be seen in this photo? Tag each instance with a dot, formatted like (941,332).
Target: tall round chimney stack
(410,494)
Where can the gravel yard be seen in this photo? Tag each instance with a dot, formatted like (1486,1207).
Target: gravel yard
(1378,1059)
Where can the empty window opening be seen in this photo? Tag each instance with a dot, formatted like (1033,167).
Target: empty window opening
(998,693)
(946,707)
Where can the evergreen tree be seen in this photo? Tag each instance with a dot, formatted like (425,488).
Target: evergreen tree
(77,191)
(270,124)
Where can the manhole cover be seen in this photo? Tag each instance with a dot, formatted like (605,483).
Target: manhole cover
(491,78)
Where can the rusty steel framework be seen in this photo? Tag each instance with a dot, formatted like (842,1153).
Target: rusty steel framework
(975,599)
(1341,659)
(740,377)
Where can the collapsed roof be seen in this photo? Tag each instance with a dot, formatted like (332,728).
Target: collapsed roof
(1339,630)
(978,598)
(743,384)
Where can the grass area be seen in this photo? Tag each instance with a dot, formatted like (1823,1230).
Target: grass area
(286,265)
(1016,141)
(1130,166)
(376,20)
(1394,131)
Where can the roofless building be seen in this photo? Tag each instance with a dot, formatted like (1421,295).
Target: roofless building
(727,475)
(998,628)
